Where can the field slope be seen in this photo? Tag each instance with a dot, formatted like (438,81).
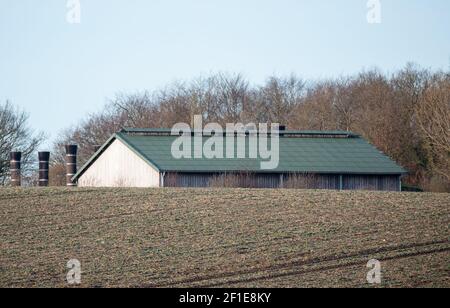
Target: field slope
(222,238)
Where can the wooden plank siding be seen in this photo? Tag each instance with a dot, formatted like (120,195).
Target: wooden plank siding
(372,182)
(294,181)
(221,180)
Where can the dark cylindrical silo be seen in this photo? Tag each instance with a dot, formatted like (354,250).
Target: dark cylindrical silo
(71,163)
(15,166)
(44,159)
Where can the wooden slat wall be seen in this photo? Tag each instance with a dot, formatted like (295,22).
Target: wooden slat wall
(371,182)
(297,181)
(186,180)
(311,181)
(210,179)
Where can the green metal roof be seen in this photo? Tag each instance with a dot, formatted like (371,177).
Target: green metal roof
(314,152)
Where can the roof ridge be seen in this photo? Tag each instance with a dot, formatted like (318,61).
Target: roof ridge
(290,133)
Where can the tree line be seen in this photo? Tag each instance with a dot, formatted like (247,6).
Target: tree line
(405,114)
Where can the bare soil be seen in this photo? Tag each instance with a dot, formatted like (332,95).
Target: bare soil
(222,237)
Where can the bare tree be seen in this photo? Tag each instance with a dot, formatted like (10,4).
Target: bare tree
(315,111)
(15,135)
(433,118)
(277,99)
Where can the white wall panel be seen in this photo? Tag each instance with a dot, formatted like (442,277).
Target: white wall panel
(118,166)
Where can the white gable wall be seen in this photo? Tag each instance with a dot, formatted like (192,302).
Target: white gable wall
(119,166)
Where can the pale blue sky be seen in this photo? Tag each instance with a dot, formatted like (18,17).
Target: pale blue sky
(48,66)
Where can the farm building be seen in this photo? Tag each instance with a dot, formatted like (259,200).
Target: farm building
(307,159)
